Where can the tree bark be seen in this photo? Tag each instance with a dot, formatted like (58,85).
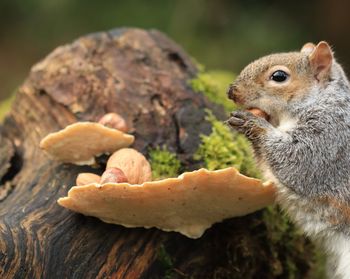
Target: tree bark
(143,76)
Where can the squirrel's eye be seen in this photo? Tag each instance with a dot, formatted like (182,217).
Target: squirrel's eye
(279,76)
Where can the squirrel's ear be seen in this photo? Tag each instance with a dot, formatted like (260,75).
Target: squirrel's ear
(308,48)
(321,59)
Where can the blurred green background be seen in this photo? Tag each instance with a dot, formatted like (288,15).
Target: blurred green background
(221,34)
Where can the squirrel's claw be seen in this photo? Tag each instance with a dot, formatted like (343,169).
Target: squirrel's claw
(234,121)
(247,123)
(240,117)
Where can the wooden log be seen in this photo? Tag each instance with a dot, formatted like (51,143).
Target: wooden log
(143,76)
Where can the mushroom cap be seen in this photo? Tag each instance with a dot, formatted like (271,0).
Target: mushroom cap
(80,142)
(189,204)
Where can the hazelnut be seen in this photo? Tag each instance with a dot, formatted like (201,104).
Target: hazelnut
(133,164)
(115,121)
(87,178)
(259,113)
(113,175)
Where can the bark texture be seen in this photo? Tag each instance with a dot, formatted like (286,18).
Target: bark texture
(143,76)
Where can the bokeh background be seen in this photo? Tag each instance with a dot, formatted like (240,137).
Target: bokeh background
(221,34)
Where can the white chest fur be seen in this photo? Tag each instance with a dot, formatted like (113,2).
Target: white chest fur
(339,250)
(286,123)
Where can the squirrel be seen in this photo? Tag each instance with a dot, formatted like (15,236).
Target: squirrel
(301,140)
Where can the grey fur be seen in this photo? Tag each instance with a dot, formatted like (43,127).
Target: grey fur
(310,163)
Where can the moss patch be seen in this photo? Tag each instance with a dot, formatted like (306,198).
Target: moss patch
(224,148)
(289,246)
(214,85)
(165,259)
(164,163)
(5,106)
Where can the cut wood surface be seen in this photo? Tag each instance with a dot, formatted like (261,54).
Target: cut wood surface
(143,76)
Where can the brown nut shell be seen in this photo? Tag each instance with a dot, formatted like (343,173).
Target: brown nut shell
(115,121)
(259,113)
(87,178)
(134,165)
(113,175)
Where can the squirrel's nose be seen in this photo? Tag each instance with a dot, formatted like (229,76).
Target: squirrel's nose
(231,92)
(235,95)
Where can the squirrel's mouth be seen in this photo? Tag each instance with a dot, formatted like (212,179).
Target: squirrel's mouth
(259,113)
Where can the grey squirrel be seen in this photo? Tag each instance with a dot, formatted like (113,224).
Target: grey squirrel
(301,139)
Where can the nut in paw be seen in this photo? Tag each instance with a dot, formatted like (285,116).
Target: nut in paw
(247,124)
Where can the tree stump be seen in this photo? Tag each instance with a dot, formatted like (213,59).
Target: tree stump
(143,76)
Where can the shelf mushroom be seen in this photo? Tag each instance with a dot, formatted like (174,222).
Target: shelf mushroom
(80,142)
(188,204)
(125,194)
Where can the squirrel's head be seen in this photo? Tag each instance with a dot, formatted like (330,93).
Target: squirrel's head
(272,82)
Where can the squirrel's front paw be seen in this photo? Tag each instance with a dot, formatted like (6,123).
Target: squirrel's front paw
(247,124)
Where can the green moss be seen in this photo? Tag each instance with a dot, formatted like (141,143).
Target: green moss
(214,85)
(279,225)
(5,106)
(224,148)
(281,234)
(164,163)
(200,67)
(288,244)
(166,262)
(164,257)
(319,267)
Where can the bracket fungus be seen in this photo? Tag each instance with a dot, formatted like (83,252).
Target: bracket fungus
(80,142)
(125,194)
(188,204)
